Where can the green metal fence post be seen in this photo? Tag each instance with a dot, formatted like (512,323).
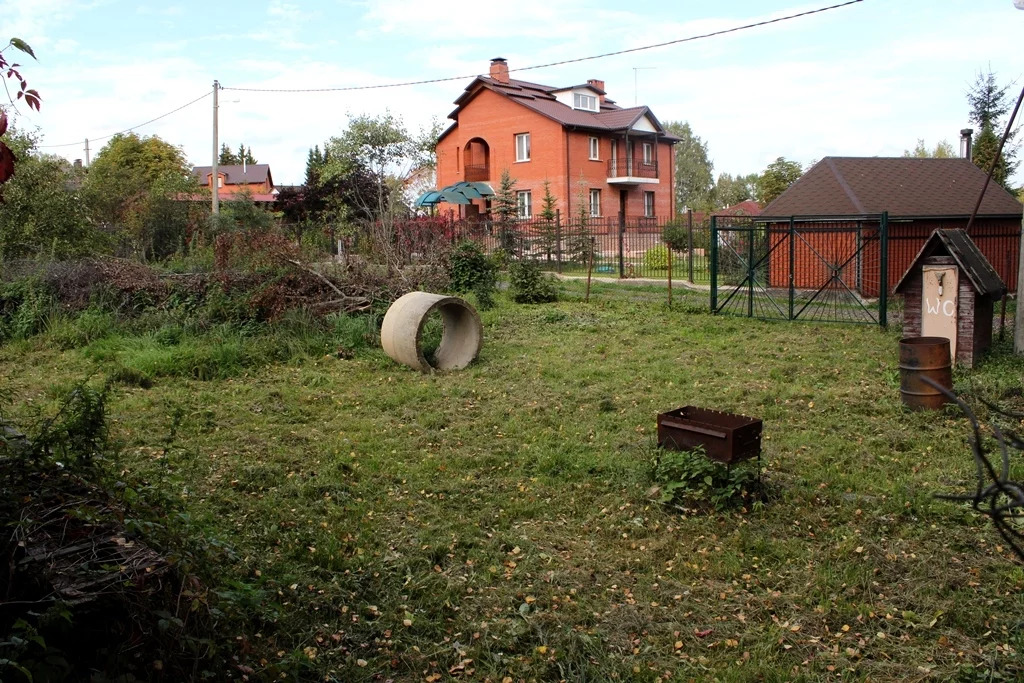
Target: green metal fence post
(750,271)
(792,264)
(689,245)
(714,264)
(883,284)
(558,239)
(622,239)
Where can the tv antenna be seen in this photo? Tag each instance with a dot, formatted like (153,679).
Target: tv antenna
(635,70)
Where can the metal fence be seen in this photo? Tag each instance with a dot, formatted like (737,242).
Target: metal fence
(829,270)
(836,268)
(625,248)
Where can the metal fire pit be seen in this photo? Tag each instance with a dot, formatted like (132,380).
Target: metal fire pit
(726,437)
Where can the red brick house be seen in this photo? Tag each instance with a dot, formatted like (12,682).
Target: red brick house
(836,205)
(234,179)
(592,151)
(747,207)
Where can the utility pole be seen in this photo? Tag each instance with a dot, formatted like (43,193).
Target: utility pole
(214,185)
(1018,317)
(87,152)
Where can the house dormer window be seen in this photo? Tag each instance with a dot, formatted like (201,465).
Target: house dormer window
(587,102)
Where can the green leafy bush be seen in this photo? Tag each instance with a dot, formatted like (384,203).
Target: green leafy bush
(690,477)
(656,258)
(472,271)
(676,235)
(528,285)
(26,309)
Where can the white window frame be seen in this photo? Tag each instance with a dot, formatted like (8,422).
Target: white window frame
(220,181)
(522,147)
(595,203)
(524,202)
(648,204)
(595,149)
(648,152)
(584,101)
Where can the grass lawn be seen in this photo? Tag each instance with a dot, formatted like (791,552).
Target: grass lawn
(497,522)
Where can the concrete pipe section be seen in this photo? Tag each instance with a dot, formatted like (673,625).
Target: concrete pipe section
(402,329)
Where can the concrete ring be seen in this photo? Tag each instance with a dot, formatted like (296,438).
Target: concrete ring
(402,329)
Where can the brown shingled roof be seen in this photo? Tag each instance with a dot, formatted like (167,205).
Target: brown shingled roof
(541,99)
(234,174)
(903,186)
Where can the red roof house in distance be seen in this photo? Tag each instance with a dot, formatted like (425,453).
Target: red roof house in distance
(592,151)
(748,207)
(235,179)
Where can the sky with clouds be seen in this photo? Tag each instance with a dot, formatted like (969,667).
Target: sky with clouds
(868,79)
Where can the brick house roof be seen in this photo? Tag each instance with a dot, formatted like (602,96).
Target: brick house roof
(542,99)
(235,174)
(747,207)
(903,186)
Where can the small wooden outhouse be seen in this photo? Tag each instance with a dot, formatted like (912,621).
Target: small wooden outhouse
(950,291)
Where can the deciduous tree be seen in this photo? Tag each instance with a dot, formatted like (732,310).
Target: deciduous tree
(40,210)
(731,189)
(694,182)
(10,70)
(779,175)
(942,150)
(136,185)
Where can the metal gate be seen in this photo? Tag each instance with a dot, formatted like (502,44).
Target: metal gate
(826,270)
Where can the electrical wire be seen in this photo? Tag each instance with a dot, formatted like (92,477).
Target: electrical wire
(558,63)
(128,130)
(712,34)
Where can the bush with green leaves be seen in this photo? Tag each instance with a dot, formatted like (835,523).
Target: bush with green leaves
(690,478)
(26,308)
(656,258)
(471,270)
(527,284)
(676,235)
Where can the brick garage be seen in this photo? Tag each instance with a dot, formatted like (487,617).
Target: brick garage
(920,196)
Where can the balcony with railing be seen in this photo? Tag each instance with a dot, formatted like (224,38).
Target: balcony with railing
(630,171)
(477,173)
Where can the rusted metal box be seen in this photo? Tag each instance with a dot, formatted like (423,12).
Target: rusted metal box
(726,437)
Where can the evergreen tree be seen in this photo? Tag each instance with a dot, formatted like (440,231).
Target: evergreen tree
(988,105)
(227,157)
(548,230)
(245,156)
(505,207)
(580,243)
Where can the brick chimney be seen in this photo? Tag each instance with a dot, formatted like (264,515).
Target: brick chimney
(499,69)
(597,84)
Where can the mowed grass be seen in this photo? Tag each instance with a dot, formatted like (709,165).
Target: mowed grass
(496,522)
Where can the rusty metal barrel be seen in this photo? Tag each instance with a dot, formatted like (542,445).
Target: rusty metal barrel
(922,357)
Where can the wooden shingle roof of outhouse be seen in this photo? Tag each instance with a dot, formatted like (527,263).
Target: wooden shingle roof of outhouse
(973,264)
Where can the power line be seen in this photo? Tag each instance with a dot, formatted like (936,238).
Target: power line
(564,61)
(688,39)
(128,130)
